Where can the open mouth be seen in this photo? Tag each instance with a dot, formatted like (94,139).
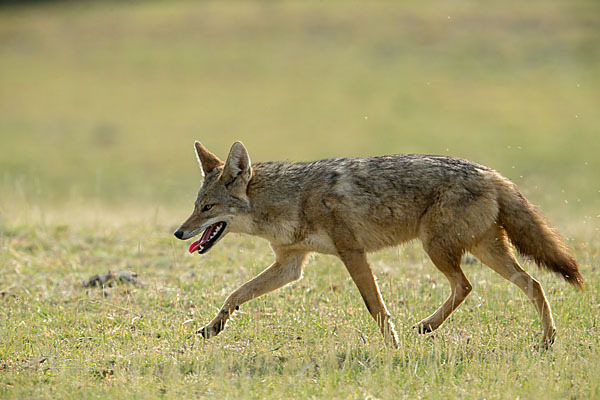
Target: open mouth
(210,236)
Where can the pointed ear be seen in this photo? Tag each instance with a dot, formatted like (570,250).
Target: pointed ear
(238,169)
(208,161)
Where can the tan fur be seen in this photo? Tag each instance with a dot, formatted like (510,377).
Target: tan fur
(351,206)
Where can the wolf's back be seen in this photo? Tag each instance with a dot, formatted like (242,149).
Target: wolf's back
(532,235)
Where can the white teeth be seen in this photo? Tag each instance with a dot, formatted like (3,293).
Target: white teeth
(217,230)
(212,235)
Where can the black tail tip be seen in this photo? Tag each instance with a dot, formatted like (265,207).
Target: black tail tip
(575,279)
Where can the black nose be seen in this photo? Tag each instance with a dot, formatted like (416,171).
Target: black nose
(178,234)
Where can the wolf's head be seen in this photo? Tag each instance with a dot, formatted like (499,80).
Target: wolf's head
(222,201)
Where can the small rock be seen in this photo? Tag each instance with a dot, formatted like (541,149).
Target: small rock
(110,278)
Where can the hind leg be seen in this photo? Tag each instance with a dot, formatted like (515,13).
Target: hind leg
(449,264)
(494,251)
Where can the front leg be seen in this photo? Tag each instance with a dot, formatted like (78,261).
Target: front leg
(355,260)
(360,271)
(286,268)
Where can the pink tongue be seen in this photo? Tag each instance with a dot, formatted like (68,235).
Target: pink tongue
(203,239)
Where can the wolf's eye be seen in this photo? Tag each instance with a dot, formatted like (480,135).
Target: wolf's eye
(207,207)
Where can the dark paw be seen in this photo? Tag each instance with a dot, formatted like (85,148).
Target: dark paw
(549,341)
(209,331)
(423,328)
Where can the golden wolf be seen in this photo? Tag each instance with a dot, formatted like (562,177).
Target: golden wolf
(351,206)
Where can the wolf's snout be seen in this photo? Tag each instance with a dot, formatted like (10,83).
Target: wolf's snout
(178,234)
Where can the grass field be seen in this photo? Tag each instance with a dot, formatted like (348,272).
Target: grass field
(100,103)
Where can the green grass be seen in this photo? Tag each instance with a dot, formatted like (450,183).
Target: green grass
(313,338)
(100,103)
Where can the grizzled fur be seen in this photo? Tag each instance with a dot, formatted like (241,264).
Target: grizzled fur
(350,206)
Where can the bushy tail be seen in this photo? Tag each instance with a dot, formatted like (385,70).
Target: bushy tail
(533,237)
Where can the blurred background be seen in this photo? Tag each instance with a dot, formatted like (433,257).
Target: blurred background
(101,101)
